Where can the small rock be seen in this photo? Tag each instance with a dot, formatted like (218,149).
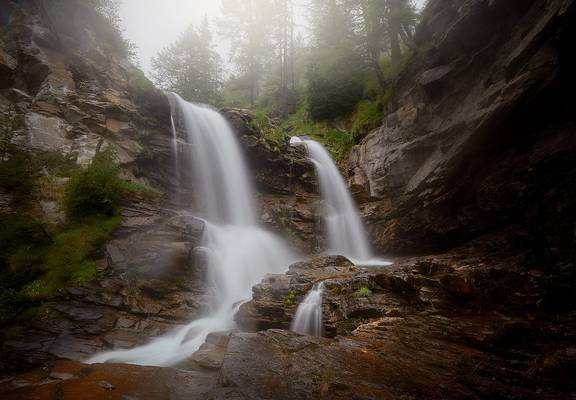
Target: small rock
(106,385)
(61,376)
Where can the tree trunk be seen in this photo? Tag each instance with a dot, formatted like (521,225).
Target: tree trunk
(372,45)
(394,26)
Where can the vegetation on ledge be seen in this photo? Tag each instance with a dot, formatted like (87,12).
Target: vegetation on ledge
(38,260)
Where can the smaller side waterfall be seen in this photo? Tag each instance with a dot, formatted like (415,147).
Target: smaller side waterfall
(344,228)
(308,318)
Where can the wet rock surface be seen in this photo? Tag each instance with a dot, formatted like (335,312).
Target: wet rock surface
(75,98)
(415,334)
(476,137)
(146,290)
(468,167)
(458,325)
(69,380)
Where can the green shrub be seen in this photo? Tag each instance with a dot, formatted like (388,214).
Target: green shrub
(290,297)
(339,291)
(37,262)
(368,116)
(336,141)
(95,191)
(364,291)
(273,136)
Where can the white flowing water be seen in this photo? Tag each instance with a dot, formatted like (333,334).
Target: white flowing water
(239,253)
(308,318)
(344,228)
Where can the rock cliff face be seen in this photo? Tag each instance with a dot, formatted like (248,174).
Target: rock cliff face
(478,135)
(76,95)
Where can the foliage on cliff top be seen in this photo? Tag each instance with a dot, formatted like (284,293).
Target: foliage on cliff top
(334,137)
(108,25)
(273,136)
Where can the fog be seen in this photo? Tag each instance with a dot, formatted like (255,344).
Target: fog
(153,24)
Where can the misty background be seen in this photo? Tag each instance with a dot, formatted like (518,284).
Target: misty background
(152,27)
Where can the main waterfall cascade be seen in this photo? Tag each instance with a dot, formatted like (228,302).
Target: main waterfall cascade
(346,233)
(308,318)
(239,252)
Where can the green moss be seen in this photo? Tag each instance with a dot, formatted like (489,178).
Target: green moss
(68,260)
(337,141)
(368,116)
(273,136)
(339,291)
(95,191)
(140,188)
(364,291)
(290,297)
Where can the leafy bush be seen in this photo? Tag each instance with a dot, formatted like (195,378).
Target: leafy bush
(95,191)
(368,116)
(290,297)
(337,141)
(339,291)
(364,291)
(17,232)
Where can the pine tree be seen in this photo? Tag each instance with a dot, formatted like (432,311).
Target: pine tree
(190,66)
(249,24)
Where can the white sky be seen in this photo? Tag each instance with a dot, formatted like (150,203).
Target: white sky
(154,24)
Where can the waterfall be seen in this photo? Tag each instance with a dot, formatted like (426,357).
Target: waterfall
(344,228)
(239,253)
(308,318)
